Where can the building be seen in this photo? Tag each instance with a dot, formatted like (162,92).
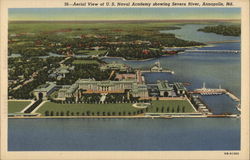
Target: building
(157,67)
(89,86)
(43,91)
(115,66)
(179,89)
(60,72)
(165,89)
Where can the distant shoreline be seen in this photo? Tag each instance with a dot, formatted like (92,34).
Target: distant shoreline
(124,21)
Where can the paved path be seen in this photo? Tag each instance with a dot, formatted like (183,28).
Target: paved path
(40,105)
(28,106)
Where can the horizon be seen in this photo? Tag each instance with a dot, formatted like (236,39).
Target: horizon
(149,20)
(122,14)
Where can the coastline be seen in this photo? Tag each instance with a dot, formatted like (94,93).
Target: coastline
(129,117)
(207,44)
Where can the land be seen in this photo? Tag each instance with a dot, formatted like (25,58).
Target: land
(77,82)
(226,30)
(17,106)
(38,39)
(99,110)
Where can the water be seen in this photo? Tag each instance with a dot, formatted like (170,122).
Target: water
(148,134)
(14,55)
(214,69)
(221,104)
(189,32)
(123,134)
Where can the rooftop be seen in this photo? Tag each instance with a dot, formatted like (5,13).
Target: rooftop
(164,85)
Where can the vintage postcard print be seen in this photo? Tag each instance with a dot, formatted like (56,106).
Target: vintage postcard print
(140,79)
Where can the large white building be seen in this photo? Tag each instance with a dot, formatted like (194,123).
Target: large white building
(82,86)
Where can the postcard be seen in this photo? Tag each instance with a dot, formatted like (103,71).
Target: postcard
(124,79)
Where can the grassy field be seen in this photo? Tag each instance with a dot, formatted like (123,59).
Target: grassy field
(172,105)
(84,108)
(167,106)
(85,62)
(17,106)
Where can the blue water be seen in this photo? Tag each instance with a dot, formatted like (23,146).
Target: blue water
(221,104)
(222,46)
(213,69)
(123,134)
(189,32)
(147,134)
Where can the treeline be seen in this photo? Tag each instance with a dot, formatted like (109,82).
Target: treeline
(134,53)
(226,30)
(151,109)
(94,113)
(84,71)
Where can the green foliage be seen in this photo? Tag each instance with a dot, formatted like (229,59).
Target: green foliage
(226,30)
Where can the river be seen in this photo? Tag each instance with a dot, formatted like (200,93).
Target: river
(146,134)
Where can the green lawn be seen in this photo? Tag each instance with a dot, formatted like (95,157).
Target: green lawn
(85,62)
(17,106)
(171,106)
(84,108)
(166,106)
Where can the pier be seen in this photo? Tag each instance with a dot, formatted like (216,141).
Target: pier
(162,71)
(210,91)
(214,51)
(215,91)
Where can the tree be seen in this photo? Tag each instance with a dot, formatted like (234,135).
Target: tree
(173,110)
(62,113)
(157,109)
(88,113)
(178,109)
(46,113)
(168,109)
(68,113)
(162,109)
(183,109)
(52,113)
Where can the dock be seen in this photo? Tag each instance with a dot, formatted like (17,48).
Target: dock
(217,91)
(162,71)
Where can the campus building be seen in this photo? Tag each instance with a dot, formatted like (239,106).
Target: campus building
(43,91)
(115,66)
(89,86)
(170,90)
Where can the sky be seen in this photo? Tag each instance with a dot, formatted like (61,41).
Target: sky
(81,14)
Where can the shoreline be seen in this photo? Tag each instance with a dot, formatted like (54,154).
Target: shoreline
(208,44)
(128,117)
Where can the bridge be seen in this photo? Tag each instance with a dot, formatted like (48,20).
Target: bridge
(214,51)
